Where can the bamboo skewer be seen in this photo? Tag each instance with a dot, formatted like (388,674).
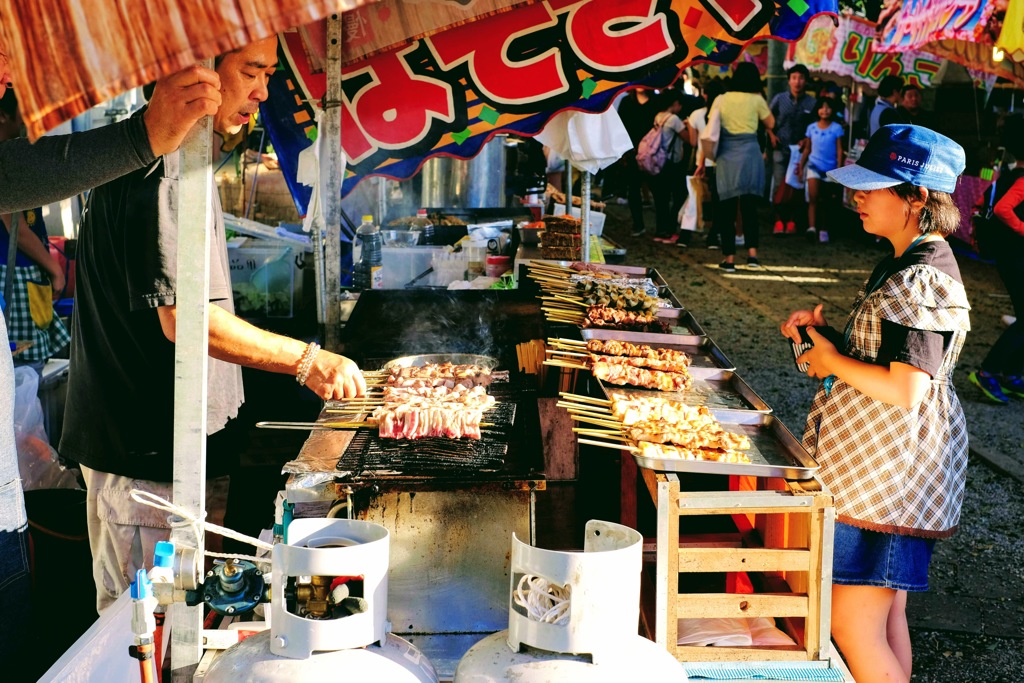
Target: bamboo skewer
(599,433)
(571,366)
(585,399)
(606,444)
(568,342)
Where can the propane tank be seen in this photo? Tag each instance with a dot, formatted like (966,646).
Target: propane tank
(573,617)
(328,613)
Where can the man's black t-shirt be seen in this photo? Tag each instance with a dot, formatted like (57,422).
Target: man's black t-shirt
(119,416)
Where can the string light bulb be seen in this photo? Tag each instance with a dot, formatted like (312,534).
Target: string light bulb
(997,54)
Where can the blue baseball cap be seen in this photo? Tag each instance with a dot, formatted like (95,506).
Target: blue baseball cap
(901,153)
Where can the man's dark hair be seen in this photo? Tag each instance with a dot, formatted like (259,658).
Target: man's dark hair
(890,85)
(746,78)
(908,87)
(798,69)
(9,103)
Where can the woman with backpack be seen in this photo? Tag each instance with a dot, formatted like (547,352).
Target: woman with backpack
(739,162)
(660,155)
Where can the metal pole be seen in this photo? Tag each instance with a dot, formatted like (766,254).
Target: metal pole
(567,184)
(330,183)
(585,216)
(195,198)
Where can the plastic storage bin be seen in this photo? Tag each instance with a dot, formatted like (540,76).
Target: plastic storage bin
(265,280)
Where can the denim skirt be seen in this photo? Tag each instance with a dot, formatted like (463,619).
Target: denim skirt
(872,558)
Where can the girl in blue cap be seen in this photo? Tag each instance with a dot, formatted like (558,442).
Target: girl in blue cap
(885,424)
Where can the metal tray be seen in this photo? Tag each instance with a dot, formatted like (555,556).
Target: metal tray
(774,451)
(422,359)
(720,390)
(685,330)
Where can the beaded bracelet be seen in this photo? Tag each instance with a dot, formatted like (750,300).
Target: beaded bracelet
(306,363)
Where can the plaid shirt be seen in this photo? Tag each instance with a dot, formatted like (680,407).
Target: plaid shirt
(892,469)
(20,326)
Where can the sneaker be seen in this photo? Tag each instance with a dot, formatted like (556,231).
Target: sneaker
(672,240)
(989,386)
(811,232)
(659,239)
(753,263)
(740,241)
(1012,385)
(682,245)
(713,245)
(1007,319)
(790,228)
(823,237)
(638,232)
(779,228)
(727,267)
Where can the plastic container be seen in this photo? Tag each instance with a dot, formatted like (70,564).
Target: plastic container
(497,265)
(263,280)
(368,272)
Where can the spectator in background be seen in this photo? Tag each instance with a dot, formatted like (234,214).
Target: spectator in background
(1002,371)
(791,110)
(706,167)
(37,275)
(669,185)
(739,163)
(823,152)
(884,112)
(637,112)
(910,109)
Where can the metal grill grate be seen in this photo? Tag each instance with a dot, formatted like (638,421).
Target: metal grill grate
(368,454)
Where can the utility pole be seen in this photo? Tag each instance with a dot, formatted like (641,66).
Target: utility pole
(776,75)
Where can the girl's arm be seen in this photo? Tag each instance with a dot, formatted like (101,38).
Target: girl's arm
(805,152)
(839,151)
(1004,208)
(898,384)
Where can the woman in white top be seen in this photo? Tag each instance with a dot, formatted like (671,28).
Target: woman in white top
(739,164)
(696,123)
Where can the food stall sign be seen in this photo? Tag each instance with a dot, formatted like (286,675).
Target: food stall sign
(920,22)
(849,51)
(449,92)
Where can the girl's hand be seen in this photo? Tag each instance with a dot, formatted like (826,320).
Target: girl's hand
(699,171)
(802,319)
(800,171)
(819,357)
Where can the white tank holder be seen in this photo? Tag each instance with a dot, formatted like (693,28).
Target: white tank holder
(598,641)
(357,647)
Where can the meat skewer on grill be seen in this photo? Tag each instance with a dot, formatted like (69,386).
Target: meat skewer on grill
(405,421)
(436,375)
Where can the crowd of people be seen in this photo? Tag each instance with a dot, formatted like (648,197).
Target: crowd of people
(798,137)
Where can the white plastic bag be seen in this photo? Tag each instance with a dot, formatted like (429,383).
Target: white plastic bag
(722,632)
(37,461)
(792,179)
(690,212)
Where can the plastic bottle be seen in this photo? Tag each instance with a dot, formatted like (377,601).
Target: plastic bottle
(368,272)
(425,226)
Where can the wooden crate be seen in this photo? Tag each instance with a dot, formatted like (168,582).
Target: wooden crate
(782,543)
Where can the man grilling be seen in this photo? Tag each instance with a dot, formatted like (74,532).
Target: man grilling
(119,419)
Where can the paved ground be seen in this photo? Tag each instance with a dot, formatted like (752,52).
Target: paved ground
(970,625)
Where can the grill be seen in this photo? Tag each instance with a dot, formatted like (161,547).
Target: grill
(387,324)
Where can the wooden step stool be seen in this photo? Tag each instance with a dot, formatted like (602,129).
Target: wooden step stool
(783,544)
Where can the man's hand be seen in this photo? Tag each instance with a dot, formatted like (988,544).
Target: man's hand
(774,139)
(178,102)
(333,376)
(57,282)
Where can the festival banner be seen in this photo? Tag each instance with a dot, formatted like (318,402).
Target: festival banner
(849,51)
(919,22)
(449,92)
